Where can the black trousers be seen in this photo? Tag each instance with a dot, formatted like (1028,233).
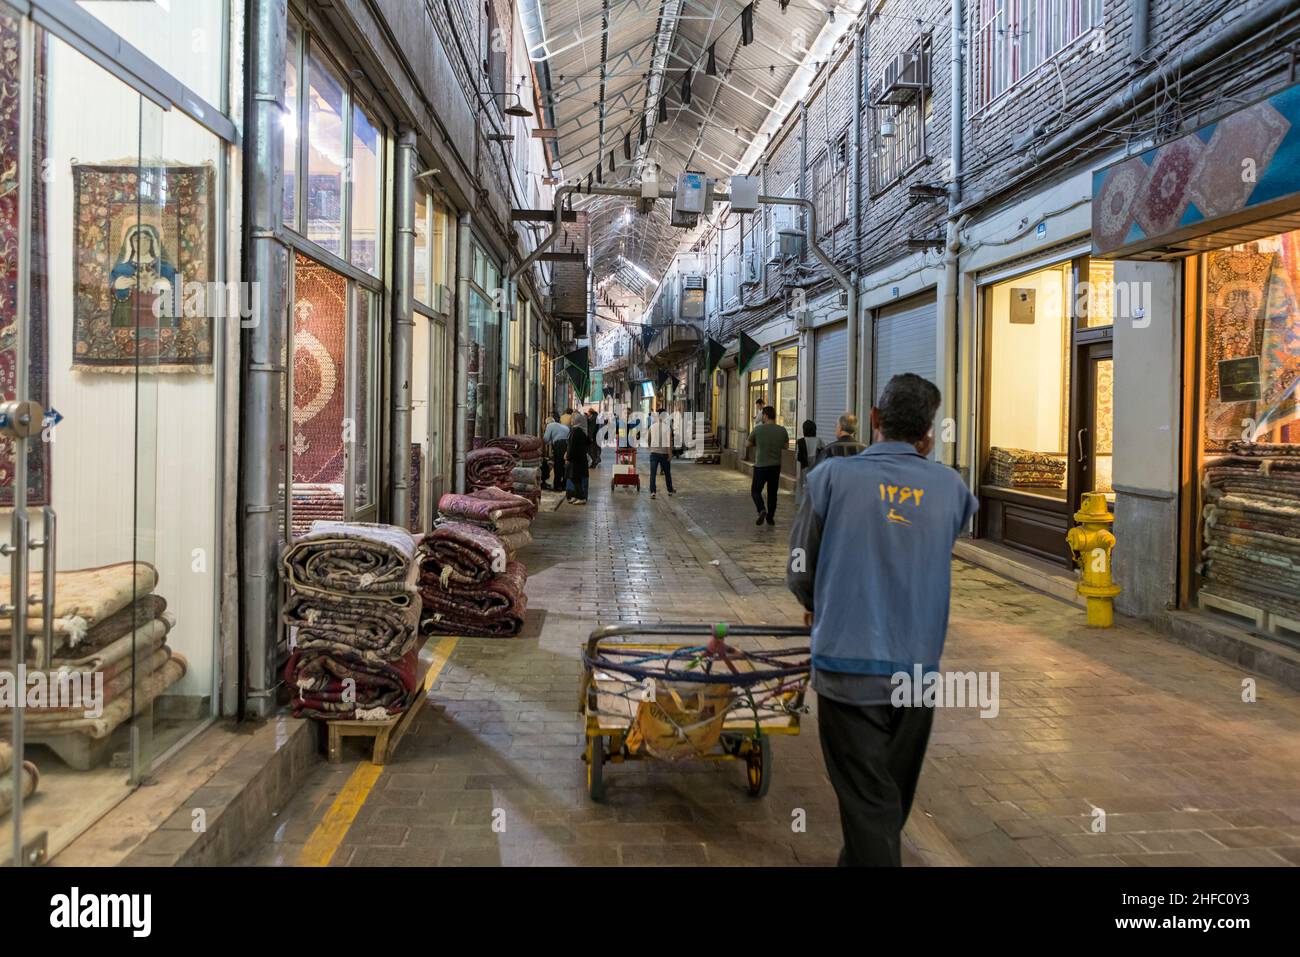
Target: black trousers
(558,452)
(873,755)
(769,476)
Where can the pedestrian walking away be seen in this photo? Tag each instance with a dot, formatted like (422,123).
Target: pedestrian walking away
(768,440)
(806,450)
(871,562)
(556,438)
(577,456)
(593,434)
(661,443)
(846,440)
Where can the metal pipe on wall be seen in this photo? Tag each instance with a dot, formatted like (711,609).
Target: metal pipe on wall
(1141,28)
(262,461)
(403,328)
(947,345)
(460,432)
(854,355)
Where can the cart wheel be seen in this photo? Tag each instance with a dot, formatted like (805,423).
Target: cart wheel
(596,767)
(758,766)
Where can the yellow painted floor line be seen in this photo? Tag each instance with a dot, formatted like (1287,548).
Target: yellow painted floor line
(325,839)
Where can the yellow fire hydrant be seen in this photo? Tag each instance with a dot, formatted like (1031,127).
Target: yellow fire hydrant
(1091,542)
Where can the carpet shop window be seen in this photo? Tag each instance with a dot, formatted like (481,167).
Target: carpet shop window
(126,224)
(333,425)
(484,365)
(1028,360)
(1248,454)
(787,390)
(422,289)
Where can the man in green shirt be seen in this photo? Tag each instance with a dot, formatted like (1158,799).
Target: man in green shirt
(768,440)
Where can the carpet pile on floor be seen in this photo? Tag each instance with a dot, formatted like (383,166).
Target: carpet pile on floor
(353,616)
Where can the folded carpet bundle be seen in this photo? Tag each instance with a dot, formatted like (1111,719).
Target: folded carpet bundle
(522,446)
(1252,527)
(507,500)
(485,507)
(489,466)
(84,598)
(353,613)
(332,683)
(1021,468)
(456,553)
(495,608)
(341,558)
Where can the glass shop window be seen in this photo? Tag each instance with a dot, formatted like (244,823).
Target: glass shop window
(1251,337)
(757,390)
(326,153)
(289,121)
(421,278)
(187,38)
(1028,356)
(787,390)
(124,228)
(367,192)
(443,273)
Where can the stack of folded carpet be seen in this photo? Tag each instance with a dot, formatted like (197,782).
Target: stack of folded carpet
(1252,527)
(353,613)
(31,777)
(468,585)
(1021,468)
(504,514)
(489,467)
(525,478)
(316,502)
(110,632)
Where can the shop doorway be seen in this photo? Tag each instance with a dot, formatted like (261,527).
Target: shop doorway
(1046,403)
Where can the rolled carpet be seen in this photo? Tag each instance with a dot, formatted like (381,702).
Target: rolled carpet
(457,554)
(358,560)
(506,498)
(493,609)
(338,685)
(484,509)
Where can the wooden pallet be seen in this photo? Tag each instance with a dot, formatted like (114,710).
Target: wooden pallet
(387,734)
(1262,620)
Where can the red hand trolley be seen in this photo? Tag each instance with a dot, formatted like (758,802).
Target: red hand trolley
(624,472)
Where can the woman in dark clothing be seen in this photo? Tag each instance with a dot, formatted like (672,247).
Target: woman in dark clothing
(578,463)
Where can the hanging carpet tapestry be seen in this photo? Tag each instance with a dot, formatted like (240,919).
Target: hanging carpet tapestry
(320,320)
(38,452)
(142,237)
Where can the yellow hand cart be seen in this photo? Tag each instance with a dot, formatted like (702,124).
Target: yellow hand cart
(701,699)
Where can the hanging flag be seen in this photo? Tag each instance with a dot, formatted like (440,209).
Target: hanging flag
(627,146)
(578,366)
(611,161)
(647,333)
(747,25)
(714,351)
(748,349)
(660,378)
(677,383)
(686,88)
(588,181)
(641,139)
(712,67)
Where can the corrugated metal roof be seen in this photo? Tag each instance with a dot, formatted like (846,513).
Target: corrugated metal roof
(609,62)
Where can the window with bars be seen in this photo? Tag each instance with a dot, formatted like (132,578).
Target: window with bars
(1013,38)
(900,103)
(830,185)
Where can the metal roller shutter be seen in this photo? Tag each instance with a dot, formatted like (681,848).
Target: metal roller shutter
(905,342)
(830,377)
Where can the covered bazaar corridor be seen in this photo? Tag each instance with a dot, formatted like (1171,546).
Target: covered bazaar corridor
(1125,722)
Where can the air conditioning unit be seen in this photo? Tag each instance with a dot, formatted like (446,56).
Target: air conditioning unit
(803,319)
(906,75)
(782,221)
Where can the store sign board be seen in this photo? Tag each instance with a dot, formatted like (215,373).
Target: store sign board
(1243,167)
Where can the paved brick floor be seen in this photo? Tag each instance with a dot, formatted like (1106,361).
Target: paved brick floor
(1123,726)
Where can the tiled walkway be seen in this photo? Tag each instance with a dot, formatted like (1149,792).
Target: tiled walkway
(1122,728)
